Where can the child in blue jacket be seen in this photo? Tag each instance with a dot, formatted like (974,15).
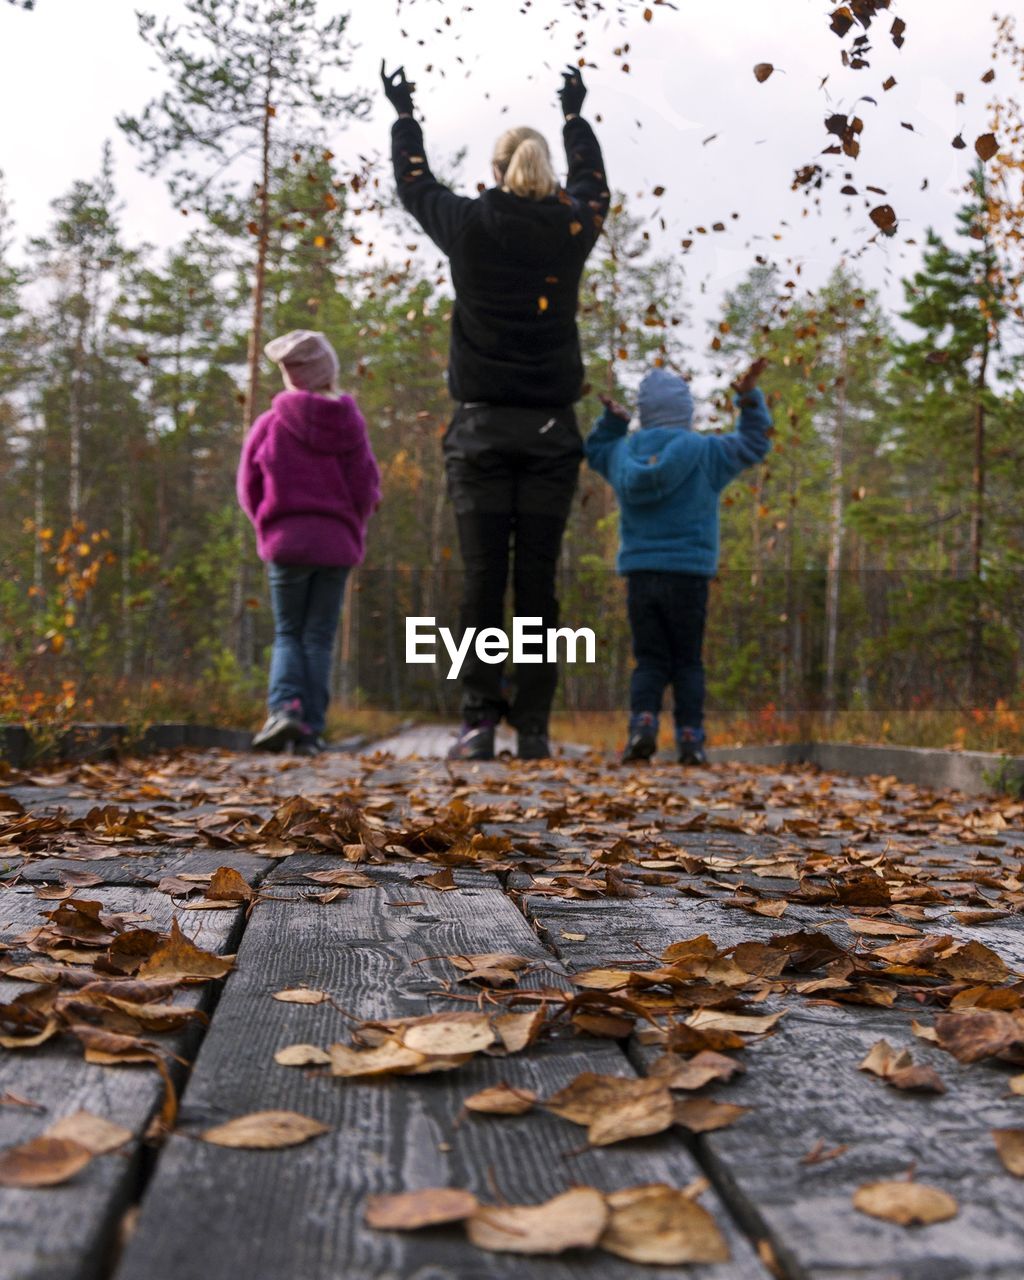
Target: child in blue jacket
(668,479)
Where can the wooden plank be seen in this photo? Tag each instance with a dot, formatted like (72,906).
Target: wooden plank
(300,1213)
(804,1086)
(140,867)
(68,1232)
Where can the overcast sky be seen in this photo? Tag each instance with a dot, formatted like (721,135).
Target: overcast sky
(70,66)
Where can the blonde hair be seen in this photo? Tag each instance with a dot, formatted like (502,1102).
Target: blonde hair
(522,158)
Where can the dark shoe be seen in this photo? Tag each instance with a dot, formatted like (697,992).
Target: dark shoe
(690,743)
(475,742)
(283,725)
(533,746)
(643,738)
(310,745)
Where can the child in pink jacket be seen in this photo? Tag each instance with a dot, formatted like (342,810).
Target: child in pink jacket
(309,483)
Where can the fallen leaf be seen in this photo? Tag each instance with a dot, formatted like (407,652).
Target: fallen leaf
(42,1162)
(265,1131)
(905,1203)
(300,995)
(575,1219)
(302,1055)
(388,1058)
(501,1100)
(97,1135)
(661,1225)
(410,1210)
(181,959)
(1010,1146)
(448,1034)
(703,1115)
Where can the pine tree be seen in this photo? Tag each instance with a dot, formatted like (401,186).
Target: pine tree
(957,302)
(245,74)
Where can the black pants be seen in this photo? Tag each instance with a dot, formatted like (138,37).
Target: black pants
(667,613)
(511,475)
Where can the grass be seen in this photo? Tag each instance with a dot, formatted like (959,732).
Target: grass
(998,729)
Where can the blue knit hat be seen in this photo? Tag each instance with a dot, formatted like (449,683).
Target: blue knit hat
(665,400)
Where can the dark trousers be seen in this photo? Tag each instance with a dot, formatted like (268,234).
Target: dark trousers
(511,475)
(667,613)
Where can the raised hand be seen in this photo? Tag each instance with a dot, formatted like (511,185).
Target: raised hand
(397,89)
(749,380)
(613,407)
(573,92)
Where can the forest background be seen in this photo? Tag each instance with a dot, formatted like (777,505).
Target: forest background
(872,570)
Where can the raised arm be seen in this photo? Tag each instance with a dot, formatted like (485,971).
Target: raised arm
(440,212)
(609,429)
(730,454)
(586,182)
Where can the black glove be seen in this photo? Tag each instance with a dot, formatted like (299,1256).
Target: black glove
(572,92)
(397,89)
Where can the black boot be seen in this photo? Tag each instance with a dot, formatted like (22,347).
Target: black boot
(643,737)
(475,742)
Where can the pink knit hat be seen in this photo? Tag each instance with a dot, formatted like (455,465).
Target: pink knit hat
(307,360)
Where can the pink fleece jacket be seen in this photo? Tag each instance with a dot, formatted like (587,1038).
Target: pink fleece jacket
(308,480)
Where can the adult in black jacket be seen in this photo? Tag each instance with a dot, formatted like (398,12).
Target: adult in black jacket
(512,450)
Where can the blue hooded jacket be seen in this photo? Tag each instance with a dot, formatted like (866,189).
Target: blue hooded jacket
(668,477)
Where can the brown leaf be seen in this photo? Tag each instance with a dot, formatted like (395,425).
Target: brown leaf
(228,885)
(1010,1146)
(410,1210)
(183,960)
(660,1225)
(972,1034)
(449,1034)
(492,968)
(265,1131)
(97,1135)
(762,71)
(42,1162)
(574,1220)
(391,1057)
(905,1203)
(645,1109)
(884,218)
(986,146)
(302,1055)
(702,1115)
(300,995)
(900,1070)
(501,1100)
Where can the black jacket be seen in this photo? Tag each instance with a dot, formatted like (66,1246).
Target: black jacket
(516,265)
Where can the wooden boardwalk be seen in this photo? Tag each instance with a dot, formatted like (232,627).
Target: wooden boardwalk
(387,867)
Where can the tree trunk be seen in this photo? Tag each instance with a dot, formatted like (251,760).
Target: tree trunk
(835,546)
(978,530)
(241,615)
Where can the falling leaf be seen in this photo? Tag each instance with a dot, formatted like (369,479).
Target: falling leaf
(762,71)
(986,146)
(884,217)
(905,1203)
(42,1162)
(410,1210)
(1010,1146)
(575,1219)
(302,1055)
(501,1100)
(958,142)
(265,1131)
(660,1225)
(300,995)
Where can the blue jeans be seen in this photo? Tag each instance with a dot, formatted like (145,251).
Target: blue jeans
(667,612)
(307,603)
